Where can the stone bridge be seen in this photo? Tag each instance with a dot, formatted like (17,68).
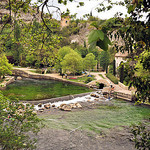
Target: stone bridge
(100,81)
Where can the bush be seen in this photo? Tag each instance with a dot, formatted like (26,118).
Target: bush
(112,78)
(111,69)
(89,79)
(17,120)
(141,136)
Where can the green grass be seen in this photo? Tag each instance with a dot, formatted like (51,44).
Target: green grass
(30,89)
(81,79)
(101,119)
(101,76)
(112,78)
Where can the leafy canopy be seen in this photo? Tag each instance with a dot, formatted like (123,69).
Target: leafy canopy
(72,62)
(17,120)
(5,67)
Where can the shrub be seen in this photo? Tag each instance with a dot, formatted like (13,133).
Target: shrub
(112,78)
(141,136)
(17,120)
(111,69)
(89,79)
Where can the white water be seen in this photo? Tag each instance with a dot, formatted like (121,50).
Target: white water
(77,99)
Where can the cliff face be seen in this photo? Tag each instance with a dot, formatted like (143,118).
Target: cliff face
(82,35)
(26,17)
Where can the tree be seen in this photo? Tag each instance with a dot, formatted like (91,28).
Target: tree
(72,62)
(104,60)
(98,37)
(114,67)
(17,120)
(141,77)
(89,62)
(62,52)
(5,67)
(135,34)
(121,72)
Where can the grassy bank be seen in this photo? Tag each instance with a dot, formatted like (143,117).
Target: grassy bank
(30,89)
(104,117)
(82,79)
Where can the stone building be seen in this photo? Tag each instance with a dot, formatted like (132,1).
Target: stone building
(65,21)
(120,57)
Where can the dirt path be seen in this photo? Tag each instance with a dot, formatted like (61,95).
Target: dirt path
(117,88)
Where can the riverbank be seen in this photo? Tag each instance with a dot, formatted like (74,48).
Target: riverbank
(119,91)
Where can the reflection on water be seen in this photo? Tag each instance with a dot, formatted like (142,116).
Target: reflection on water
(32,89)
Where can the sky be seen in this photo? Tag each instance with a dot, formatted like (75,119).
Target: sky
(89,5)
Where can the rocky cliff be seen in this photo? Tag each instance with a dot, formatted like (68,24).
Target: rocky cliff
(27,17)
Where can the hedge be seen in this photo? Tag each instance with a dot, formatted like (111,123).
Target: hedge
(112,78)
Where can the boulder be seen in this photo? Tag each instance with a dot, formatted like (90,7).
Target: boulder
(47,106)
(67,108)
(40,105)
(19,78)
(73,105)
(78,105)
(62,105)
(96,99)
(34,112)
(96,96)
(93,95)
(88,100)
(41,110)
(53,105)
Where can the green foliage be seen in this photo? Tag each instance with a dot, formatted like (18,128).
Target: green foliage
(145,60)
(82,51)
(62,52)
(5,67)
(114,67)
(112,78)
(89,61)
(121,72)
(17,120)
(141,77)
(104,60)
(72,62)
(101,76)
(141,136)
(111,69)
(95,35)
(89,79)
(17,31)
(98,37)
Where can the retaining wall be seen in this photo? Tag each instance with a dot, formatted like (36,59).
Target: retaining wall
(52,100)
(18,72)
(5,83)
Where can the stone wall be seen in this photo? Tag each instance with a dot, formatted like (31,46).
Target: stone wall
(125,87)
(6,82)
(52,100)
(18,72)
